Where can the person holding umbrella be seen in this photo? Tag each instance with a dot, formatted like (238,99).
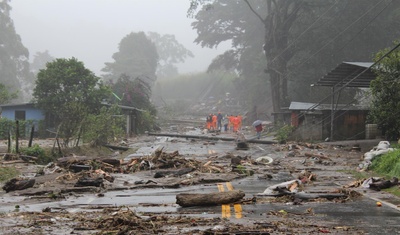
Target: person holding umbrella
(258,125)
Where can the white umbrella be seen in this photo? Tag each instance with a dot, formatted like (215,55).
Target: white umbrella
(256,123)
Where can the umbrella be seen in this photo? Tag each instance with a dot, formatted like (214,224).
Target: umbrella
(256,123)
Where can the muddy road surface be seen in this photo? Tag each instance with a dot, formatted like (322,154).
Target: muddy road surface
(141,180)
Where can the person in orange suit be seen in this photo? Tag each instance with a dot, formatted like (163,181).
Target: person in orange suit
(235,122)
(214,122)
(230,124)
(240,121)
(209,121)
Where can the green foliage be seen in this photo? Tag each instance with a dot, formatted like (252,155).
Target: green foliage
(102,128)
(68,92)
(25,126)
(5,95)
(145,121)
(37,151)
(136,93)
(385,107)
(7,173)
(387,164)
(283,133)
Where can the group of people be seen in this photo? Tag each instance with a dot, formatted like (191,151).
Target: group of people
(219,122)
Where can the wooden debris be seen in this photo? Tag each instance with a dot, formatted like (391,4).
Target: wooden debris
(210,199)
(18,184)
(383,184)
(85,181)
(175,173)
(112,161)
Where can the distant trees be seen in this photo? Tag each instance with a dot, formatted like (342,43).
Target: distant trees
(170,52)
(5,95)
(301,40)
(14,65)
(40,59)
(385,107)
(69,92)
(137,56)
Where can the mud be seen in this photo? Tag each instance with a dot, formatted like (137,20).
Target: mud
(138,203)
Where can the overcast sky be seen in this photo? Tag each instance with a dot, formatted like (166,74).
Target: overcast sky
(90,30)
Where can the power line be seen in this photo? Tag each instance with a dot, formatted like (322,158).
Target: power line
(285,76)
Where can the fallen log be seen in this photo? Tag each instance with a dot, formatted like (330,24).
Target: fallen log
(383,184)
(174,173)
(85,181)
(112,161)
(310,196)
(78,168)
(210,199)
(18,184)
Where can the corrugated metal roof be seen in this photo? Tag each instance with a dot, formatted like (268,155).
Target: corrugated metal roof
(320,107)
(354,74)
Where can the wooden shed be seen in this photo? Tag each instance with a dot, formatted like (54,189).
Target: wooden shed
(313,122)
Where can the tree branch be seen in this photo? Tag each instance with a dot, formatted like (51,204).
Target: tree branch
(255,13)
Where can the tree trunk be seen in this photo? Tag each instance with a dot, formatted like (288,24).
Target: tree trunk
(211,199)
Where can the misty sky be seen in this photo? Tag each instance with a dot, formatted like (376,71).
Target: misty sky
(90,30)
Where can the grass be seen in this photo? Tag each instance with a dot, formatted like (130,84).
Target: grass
(393,190)
(7,173)
(388,164)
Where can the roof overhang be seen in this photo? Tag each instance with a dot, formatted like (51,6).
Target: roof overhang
(349,74)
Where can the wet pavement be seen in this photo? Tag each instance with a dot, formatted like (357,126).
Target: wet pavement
(362,212)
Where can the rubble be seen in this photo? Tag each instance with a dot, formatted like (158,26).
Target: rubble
(298,174)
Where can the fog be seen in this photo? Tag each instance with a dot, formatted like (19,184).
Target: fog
(90,30)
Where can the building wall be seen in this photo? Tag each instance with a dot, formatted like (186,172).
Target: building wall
(30,113)
(347,125)
(309,126)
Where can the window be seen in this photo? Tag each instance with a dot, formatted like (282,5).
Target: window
(19,114)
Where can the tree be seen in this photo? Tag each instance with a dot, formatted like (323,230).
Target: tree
(69,92)
(170,52)
(5,95)
(137,56)
(14,65)
(40,59)
(385,107)
(301,40)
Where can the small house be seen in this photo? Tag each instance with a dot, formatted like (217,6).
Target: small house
(314,122)
(23,112)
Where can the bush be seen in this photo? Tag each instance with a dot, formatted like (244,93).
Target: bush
(39,152)
(7,173)
(283,133)
(7,125)
(387,164)
(104,127)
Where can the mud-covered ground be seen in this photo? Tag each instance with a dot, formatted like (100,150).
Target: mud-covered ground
(138,186)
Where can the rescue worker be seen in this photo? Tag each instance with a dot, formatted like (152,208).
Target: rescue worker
(209,121)
(214,122)
(219,121)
